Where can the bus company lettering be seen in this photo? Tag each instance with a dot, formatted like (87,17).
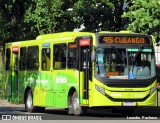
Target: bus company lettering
(61,80)
(33,80)
(42,81)
(124,40)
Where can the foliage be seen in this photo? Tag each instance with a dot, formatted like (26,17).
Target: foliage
(56,16)
(12,26)
(2,85)
(1,75)
(47,16)
(144,17)
(23,20)
(95,15)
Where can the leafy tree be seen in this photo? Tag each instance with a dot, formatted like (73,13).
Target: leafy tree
(144,17)
(12,26)
(47,16)
(22,20)
(97,15)
(59,15)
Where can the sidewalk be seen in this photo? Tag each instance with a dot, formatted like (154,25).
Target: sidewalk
(5,103)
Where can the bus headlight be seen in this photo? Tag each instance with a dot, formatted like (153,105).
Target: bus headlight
(152,90)
(100,89)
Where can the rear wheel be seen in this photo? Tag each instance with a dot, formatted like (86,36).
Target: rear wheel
(29,102)
(74,106)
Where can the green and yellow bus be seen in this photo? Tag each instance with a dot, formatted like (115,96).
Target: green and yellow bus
(82,70)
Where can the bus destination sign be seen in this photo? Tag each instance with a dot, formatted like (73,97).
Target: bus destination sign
(124,40)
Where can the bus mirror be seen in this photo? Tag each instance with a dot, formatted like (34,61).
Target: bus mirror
(93,56)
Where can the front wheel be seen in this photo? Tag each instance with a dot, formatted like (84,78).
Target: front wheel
(75,104)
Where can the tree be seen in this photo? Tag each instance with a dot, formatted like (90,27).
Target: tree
(97,15)
(48,16)
(12,26)
(23,20)
(144,17)
(59,15)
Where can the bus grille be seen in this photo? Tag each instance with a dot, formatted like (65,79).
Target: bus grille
(128,85)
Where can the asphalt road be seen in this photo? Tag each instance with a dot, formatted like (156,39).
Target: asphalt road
(17,112)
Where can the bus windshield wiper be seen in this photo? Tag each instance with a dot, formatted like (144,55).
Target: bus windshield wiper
(139,49)
(121,57)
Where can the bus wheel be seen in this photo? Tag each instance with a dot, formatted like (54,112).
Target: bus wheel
(29,102)
(77,109)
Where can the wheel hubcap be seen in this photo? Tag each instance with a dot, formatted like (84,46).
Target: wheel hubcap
(76,103)
(29,101)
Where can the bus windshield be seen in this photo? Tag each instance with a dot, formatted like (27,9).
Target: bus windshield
(125,63)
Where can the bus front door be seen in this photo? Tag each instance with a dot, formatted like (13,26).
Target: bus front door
(84,68)
(14,77)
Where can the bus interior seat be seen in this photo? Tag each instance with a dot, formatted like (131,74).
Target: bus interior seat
(57,65)
(143,71)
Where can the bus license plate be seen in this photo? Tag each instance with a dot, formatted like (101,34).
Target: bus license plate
(128,103)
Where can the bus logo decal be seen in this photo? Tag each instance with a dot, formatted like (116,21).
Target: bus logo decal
(61,80)
(131,76)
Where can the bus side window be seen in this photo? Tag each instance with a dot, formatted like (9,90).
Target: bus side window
(59,61)
(8,56)
(33,58)
(72,55)
(46,59)
(23,58)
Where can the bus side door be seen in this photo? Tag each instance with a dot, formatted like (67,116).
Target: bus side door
(84,68)
(8,84)
(14,73)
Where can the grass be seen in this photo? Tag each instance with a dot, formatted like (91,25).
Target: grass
(1,84)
